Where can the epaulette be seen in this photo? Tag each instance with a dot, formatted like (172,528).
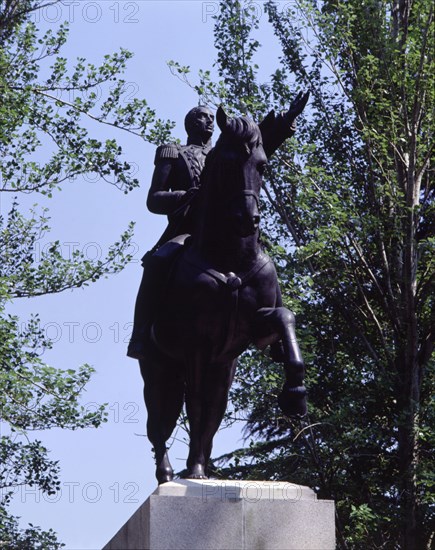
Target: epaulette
(169,151)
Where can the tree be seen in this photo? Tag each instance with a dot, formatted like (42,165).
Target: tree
(349,221)
(45,141)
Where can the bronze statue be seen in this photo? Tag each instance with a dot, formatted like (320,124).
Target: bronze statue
(221,294)
(177,173)
(173,190)
(174,185)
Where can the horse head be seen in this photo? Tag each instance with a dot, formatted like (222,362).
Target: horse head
(235,168)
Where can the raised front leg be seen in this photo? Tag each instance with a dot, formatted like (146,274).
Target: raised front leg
(275,326)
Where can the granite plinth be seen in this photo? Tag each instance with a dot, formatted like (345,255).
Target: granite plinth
(218,514)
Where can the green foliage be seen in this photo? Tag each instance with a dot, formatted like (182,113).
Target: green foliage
(29,274)
(35,108)
(349,208)
(21,539)
(48,108)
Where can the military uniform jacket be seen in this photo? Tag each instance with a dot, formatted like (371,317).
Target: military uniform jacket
(182,166)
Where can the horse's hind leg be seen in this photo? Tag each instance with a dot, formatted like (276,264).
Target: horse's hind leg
(206,401)
(278,324)
(164,394)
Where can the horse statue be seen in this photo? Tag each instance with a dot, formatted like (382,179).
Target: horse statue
(221,295)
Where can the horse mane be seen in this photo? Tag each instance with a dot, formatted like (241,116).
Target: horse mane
(238,139)
(240,131)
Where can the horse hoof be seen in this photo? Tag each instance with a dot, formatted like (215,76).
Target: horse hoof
(164,475)
(293,401)
(164,471)
(196,472)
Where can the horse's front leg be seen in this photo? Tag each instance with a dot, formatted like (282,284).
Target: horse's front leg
(277,325)
(207,389)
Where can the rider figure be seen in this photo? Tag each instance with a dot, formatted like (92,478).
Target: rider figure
(174,185)
(173,188)
(177,172)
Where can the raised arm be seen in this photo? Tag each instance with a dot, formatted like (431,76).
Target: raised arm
(275,129)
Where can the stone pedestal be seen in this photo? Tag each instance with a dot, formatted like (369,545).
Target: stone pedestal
(212,515)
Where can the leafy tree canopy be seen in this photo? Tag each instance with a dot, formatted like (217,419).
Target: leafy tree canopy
(349,220)
(46,141)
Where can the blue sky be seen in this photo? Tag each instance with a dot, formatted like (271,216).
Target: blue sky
(108,473)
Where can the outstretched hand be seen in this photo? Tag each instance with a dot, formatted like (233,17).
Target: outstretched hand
(297,105)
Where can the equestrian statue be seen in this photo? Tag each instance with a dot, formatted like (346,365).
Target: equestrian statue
(209,290)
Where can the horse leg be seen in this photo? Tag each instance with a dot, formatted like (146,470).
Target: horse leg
(219,379)
(206,401)
(164,394)
(194,411)
(272,325)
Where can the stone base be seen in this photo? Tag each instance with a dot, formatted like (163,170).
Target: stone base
(218,514)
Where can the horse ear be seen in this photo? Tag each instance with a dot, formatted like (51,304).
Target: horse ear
(222,118)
